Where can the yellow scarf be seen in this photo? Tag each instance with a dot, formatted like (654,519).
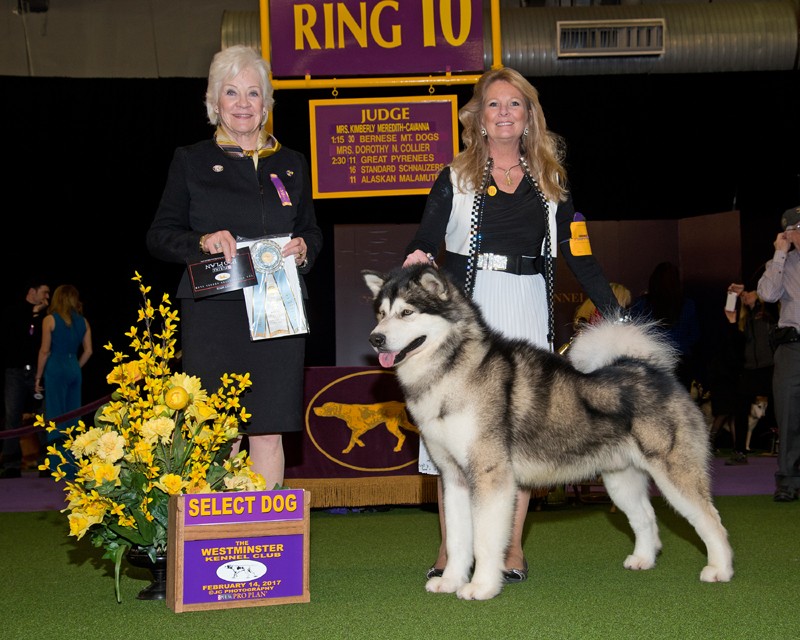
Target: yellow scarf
(267,145)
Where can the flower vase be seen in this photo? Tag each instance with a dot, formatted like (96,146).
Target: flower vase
(157,589)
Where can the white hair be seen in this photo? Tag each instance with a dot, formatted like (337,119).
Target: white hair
(227,64)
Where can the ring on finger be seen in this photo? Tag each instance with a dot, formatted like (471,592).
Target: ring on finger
(217,245)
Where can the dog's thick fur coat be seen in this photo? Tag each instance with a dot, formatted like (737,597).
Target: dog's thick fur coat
(496,414)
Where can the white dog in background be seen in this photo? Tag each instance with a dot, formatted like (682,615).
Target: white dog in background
(758,409)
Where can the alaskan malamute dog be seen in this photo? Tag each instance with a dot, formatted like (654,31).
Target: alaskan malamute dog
(497,413)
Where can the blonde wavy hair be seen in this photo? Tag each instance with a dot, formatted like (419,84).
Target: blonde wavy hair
(66,299)
(542,149)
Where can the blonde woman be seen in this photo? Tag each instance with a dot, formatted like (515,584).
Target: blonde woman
(503,211)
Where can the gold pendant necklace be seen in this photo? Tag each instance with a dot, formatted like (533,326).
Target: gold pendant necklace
(507,173)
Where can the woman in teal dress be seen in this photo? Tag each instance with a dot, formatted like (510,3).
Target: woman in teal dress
(66,347)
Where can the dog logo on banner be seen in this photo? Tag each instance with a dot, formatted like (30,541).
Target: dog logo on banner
(361,418)
(367,436)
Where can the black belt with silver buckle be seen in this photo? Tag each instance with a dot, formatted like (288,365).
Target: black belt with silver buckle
(518,265)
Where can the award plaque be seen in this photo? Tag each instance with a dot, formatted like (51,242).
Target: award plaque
(275,303)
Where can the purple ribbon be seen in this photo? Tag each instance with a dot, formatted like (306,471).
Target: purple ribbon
(283,194)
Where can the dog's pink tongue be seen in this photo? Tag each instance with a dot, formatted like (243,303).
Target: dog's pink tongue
(386,359)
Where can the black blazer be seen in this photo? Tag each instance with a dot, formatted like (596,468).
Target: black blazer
(208,190)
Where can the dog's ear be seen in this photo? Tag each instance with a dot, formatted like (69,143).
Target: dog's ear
(374,280)
(434,283)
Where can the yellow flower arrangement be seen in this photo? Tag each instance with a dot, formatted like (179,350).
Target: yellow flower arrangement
(160,434)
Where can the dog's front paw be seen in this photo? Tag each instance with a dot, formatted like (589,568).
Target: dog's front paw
(442,585)
(638,563)
(711,573)
(479,591)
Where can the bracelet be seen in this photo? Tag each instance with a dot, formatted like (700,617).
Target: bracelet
(203,242)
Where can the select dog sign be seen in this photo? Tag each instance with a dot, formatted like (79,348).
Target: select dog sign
(238,549)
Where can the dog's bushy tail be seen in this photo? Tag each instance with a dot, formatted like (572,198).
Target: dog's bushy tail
(598,345)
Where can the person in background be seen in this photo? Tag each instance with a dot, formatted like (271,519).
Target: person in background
(503,211)
(22,335)
(666,303)
(751,326)
(66,347)
(240,184)
(741,367)
(781,283)
(724,371)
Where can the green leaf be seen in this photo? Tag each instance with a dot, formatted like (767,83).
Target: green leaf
(215,474)
(120,553)
(224,452)
(133,536)
(146,528)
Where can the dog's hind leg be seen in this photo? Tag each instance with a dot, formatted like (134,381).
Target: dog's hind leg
(629,490)
(694,503)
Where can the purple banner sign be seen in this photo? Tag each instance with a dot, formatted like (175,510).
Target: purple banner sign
(232,507)
(375,37)
(249,569)
(380,146)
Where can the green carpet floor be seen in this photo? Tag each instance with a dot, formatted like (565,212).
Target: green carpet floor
(367,581)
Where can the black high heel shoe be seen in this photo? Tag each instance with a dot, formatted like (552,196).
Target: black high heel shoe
(433,572)
(516,575)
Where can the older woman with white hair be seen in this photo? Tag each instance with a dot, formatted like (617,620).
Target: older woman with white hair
(240,184)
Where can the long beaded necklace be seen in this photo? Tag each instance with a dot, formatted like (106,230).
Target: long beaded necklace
(549,275)
(476,220)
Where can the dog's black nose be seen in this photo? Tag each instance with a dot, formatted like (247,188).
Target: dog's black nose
(377,340)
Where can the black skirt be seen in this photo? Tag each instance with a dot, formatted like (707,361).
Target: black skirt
(215,340)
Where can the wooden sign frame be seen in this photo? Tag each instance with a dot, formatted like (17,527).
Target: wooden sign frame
(236,523)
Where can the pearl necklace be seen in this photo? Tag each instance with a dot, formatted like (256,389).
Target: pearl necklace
(507,173)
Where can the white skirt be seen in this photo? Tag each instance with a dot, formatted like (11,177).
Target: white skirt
(516,306)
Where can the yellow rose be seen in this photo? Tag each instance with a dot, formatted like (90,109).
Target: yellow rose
(176,398)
